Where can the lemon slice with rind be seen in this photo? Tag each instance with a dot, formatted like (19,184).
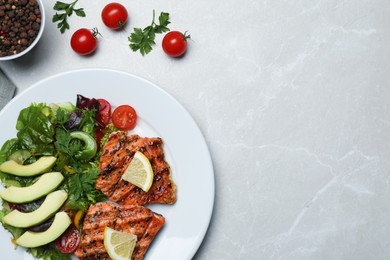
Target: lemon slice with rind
(139,172)
(119,245)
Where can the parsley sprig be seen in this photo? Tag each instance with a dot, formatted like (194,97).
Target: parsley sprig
(143,39)
(81,188)
(67,10)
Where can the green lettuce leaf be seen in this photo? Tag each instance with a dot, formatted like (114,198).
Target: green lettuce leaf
(8,148)
(35,131)
(48,252)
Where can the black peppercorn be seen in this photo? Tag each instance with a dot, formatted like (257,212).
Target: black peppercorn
(20,21)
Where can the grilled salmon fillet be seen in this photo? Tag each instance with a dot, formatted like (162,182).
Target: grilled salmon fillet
(134,219)
(117,153)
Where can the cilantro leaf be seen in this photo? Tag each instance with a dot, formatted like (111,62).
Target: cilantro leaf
(66,144)
(66,10)
(142,40)
(164,21)
(58,6)
(81,188)
(88,122)
(79,12)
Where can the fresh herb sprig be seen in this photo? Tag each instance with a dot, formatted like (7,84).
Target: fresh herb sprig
(143,39)
(67,10)
(81,188)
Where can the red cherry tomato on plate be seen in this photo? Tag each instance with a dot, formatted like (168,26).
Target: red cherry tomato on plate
(174,43)
(84,41)
(69,240)
(124,117)
(104,115)
(114,16)
(99,135)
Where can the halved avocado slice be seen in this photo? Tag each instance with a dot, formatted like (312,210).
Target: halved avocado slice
(43,164)
(34,239)
(49,207)
(44,185)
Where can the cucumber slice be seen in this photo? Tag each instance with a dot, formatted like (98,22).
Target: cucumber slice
(20,156)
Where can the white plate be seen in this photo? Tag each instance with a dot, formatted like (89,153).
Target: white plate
(159,115)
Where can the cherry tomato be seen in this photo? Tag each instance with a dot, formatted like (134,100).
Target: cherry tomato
(104,115)
(99,135)
(174,43)
(84,41)
(114,16)
(124,117)
(69,240)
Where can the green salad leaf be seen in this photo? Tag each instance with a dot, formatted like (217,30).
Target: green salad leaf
(35,130)
(8,148)
(88,123)
(48,252)
(47,130)
(15,232)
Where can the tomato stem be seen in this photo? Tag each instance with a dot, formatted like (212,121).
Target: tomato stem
(95,32)
(185,36)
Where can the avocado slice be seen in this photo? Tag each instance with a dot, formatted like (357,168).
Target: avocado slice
(34,239)
(44,185)
(43,164)
(49,207)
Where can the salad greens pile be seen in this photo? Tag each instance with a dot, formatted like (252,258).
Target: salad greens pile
(49,129)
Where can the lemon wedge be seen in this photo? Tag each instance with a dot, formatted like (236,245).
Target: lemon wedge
(139,172)
(119,245)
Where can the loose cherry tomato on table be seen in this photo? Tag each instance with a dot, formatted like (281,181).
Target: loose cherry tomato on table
(124,117)
(104,115)
(69,240)
(84,41)
(114,16)
(174,43)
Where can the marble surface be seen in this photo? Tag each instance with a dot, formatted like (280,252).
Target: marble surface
(293,100)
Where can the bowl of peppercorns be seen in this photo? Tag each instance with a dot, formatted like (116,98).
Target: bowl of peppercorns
(21,26)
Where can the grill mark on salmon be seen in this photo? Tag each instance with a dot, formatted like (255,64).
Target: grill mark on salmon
(134,219)
(117,155)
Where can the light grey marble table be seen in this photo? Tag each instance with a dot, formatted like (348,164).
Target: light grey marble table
(293,98)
